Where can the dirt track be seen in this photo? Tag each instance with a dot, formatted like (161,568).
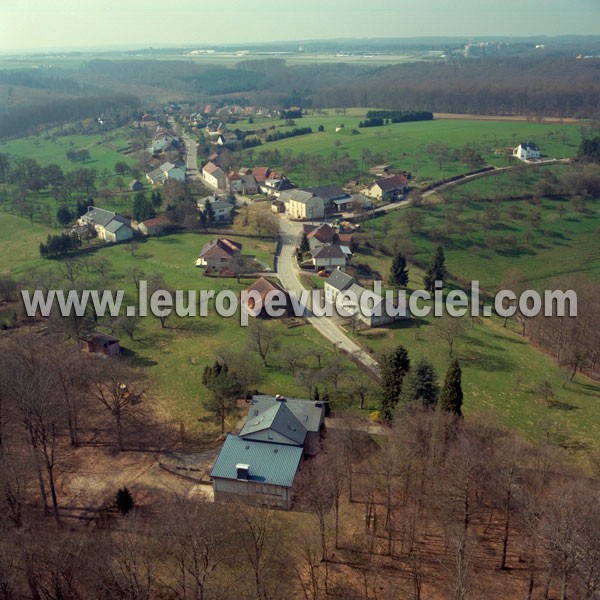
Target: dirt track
(508,118)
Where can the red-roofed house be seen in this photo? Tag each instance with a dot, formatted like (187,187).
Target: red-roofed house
(261,174)
(271,294)
(218,253)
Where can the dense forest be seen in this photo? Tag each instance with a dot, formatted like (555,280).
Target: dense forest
(521,85)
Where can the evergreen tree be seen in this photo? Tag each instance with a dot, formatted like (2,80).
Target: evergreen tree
(224,389)
(399,272)
(124,500)
(156,199)
(63,215)
(421,385)
(451,397)
(304,243)
(209,213)
(142,208)
(436,270)
(393,368)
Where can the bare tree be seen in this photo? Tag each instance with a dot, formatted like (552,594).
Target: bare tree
(263,339)
(119,389)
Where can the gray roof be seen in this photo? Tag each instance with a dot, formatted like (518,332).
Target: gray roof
(99,216)
(329,251)
(297,195)
(114,226)
(276,464)
(340,280)
(308,412)
(276,424)
(328,192)
(530,146)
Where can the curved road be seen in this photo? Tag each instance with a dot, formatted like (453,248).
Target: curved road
(287,273)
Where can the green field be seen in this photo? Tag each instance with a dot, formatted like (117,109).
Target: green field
(51,149)
(175,356)
(559,246)
(406,145)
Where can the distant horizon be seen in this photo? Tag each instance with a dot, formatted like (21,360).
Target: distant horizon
(46,26)
(257,44)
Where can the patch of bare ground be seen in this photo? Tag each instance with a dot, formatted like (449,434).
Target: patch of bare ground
(508,118)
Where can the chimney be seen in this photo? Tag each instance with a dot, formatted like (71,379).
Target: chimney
(242,471)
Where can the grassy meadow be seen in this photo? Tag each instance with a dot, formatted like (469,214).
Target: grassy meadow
(405,145)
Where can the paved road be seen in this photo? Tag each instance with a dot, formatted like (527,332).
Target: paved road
(191,158)
(287,273)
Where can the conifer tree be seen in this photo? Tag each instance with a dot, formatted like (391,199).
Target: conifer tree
(436,270)
(399,272)
(451,397)
(304,244)
(393,368)
(421,385)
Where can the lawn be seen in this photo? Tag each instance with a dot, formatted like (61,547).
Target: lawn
(174,357)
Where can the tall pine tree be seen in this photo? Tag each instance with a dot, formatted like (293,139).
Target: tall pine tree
(436,270)
(304,244)
(398,272)
(224,390)
(421,385)
(393,368)
(451,397)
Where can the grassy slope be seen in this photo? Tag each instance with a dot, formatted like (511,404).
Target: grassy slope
(48,149)
(561,246)
(404,143)
(500,374)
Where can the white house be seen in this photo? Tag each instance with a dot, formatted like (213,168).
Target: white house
(374,310)
(221,208)
(214,176)
(337,282)
(329,256)
(301,204)
(109,226)
(527,151)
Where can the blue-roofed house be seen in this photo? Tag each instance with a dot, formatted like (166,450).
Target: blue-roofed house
(259,465)
(256,472)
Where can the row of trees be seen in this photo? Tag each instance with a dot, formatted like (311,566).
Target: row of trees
(403,384)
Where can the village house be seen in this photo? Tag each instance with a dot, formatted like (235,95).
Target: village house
(301,204)
(271,295)
(109,226)
(218,253)
(154,227)
(330,256)
(376,311)
(166,171)
(337,282)
(273,186)
(527,151)
(388,189)
(259,466)
(214,176)
(330,194)
(222,209)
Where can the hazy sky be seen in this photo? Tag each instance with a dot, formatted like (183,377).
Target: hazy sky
(50,24)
